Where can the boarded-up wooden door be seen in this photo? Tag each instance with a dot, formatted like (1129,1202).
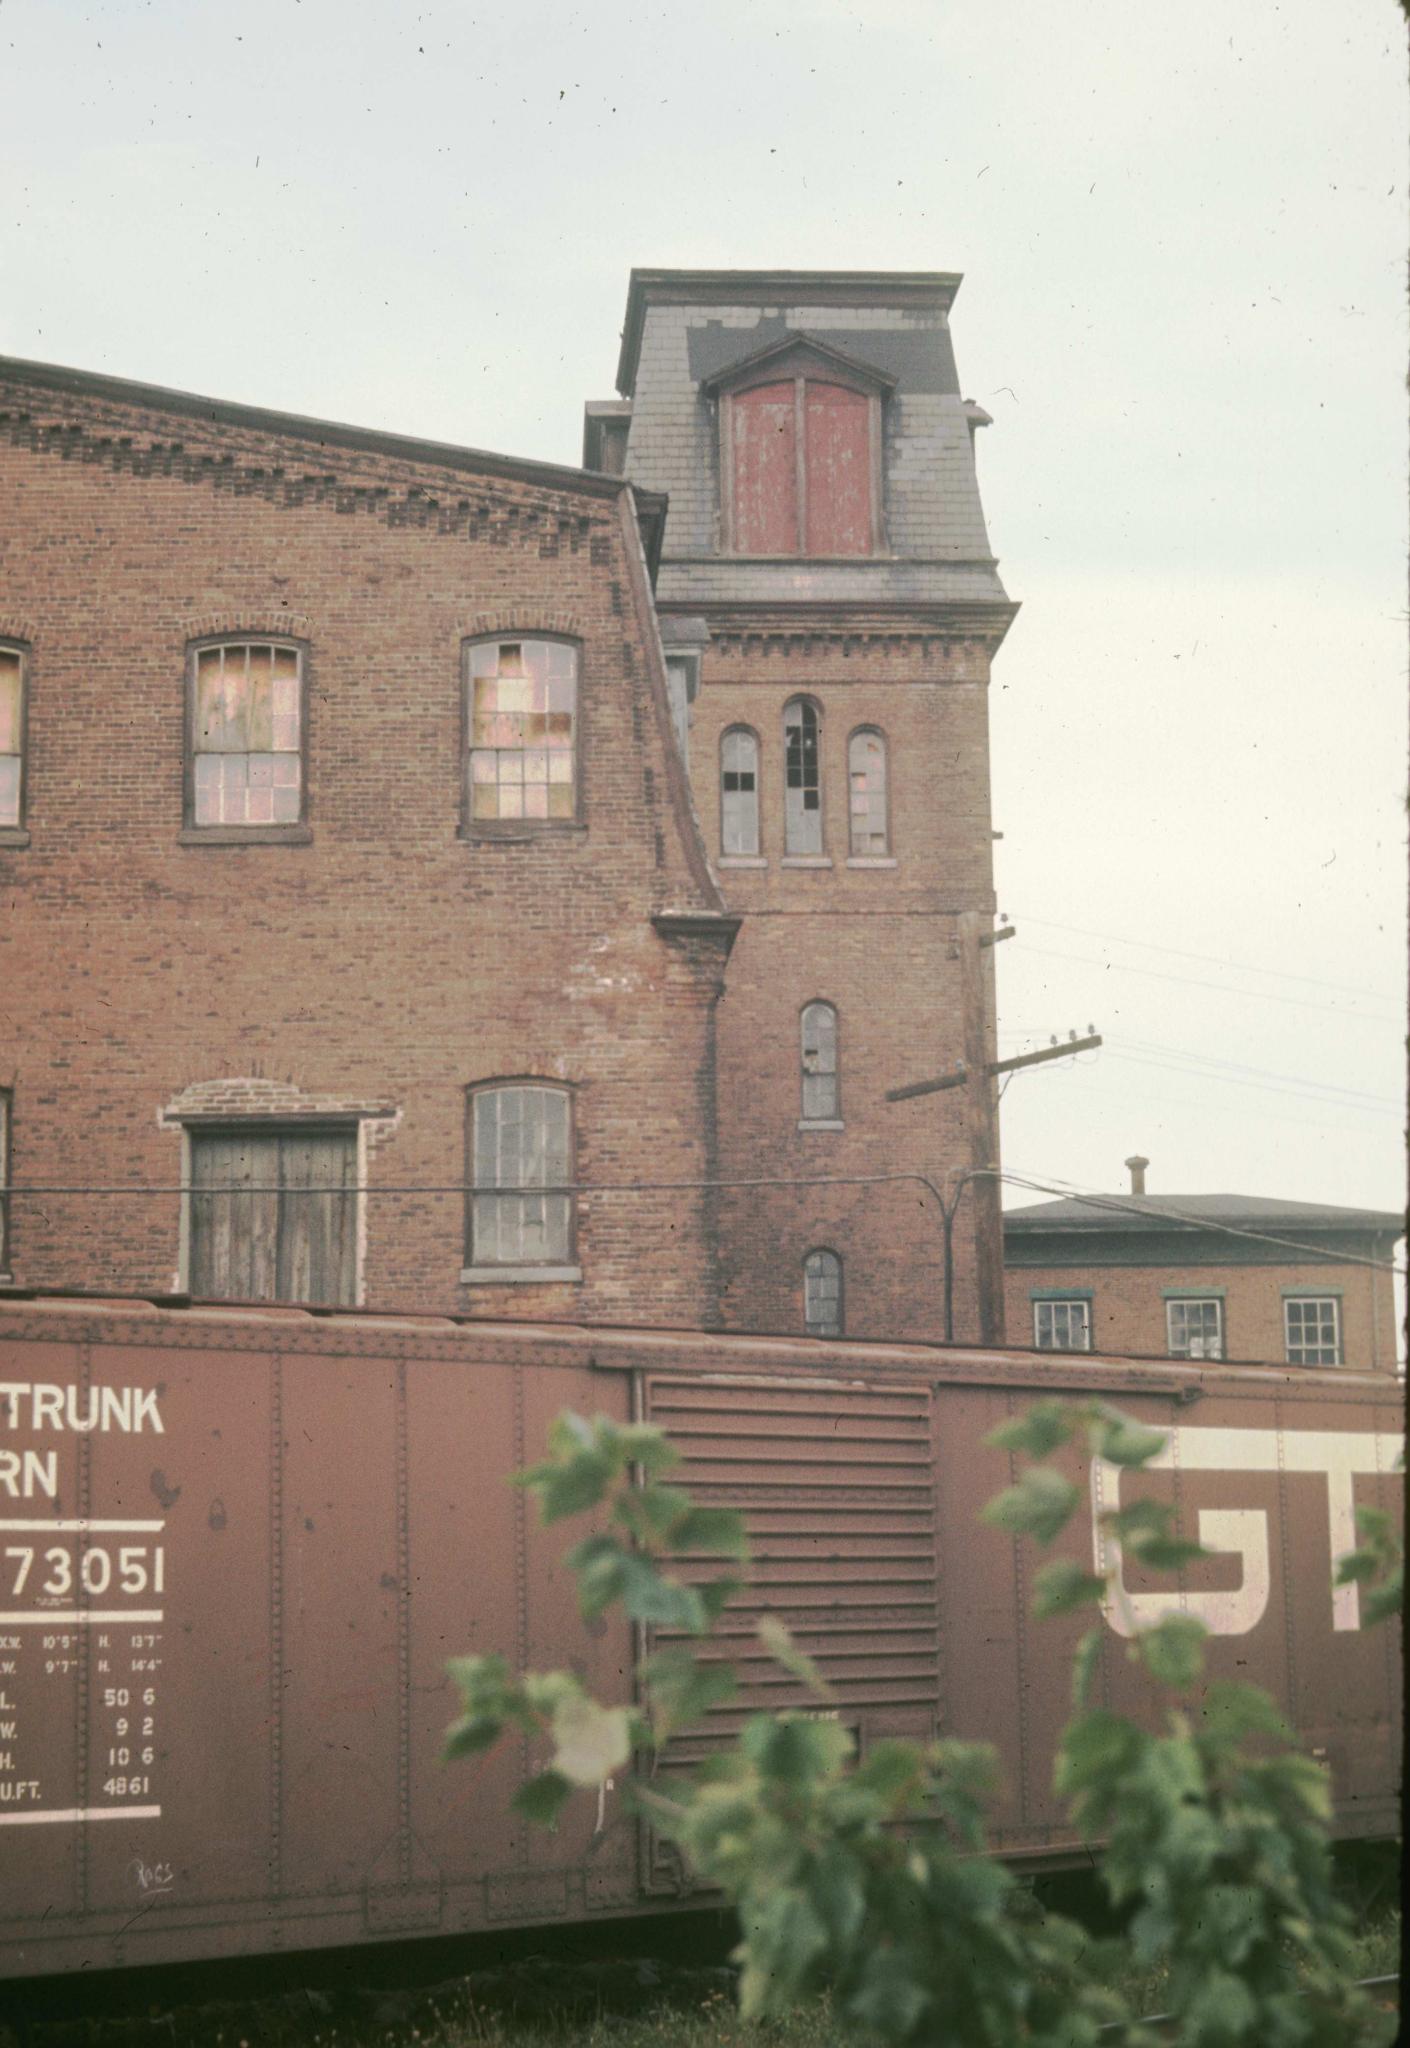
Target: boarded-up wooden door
(837,445)
(274,1216)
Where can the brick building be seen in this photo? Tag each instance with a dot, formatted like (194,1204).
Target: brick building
(343,840)
(830,606)
(1204,1276)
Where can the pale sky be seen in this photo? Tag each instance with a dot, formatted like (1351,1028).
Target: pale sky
(1182,233)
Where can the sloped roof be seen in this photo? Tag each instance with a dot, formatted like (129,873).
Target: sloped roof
(1167,1212)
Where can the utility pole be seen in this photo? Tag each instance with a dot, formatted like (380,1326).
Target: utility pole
(977,1073)
(983,1119)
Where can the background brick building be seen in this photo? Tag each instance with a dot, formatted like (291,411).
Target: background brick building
(286,885)
(830,605)
(1204,1276)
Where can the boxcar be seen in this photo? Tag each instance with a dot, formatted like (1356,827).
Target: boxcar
(238,1547)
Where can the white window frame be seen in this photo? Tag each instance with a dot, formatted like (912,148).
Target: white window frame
(483,1262)
(1193,1347)
(1291,1345)
(1045,1310)
(822,1262)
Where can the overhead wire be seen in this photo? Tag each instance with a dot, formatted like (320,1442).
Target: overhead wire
(1210,959)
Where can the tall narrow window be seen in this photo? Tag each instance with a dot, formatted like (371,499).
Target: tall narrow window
(802,797)
(822,1294)
(521,727)
(274,1214)
(247,735)
(521,1142)
(11,737)
(866,781)
(822,1095)
(739,791)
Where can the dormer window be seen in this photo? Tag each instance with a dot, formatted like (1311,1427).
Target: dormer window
(800,452)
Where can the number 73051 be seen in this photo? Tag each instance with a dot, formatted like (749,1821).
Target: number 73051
(131,1568)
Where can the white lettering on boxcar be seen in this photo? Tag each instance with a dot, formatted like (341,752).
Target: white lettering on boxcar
(25,1475)
(40,1405)
(1338,1455)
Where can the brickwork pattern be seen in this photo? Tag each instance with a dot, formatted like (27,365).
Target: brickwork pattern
(1128,1306)
(389,963)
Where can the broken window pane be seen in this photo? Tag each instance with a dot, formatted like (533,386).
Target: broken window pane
(866,766)
(739,792)
(822,1100)
(822,1294)
(520,1138)
(522,720)
(802,813)
(247,718)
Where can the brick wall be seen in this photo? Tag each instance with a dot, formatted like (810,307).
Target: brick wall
(878,944)
(1128,1306)
(388,963)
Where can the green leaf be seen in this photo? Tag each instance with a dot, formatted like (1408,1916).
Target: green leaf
(794,1750)
(1040,1505)
(1063,1585)
(713,1532)
(895,1770)
(1383,1603)
(889,2002)
(651,1596)
(1232,1712)
(1046,1426)
(570,1488)
(1085,1659)
(1121,1441)
(542,1799)
(1357,1565)
(598,1563)
(653,1512)
(1165,1553)
(715,1595)
(1173,1651)
(683,1689)
(470,1733)
(779,1643)
(591,1741)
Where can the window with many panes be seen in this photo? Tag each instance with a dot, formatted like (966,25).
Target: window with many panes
(822,1091)
(802,793)
(1312,1327)
(12,712)
(247,719)
(1063,1325)
(521,1151)
(521,722)
(822,1294)
(273,1213)
(739,791)
(866,794)
(1194,1328)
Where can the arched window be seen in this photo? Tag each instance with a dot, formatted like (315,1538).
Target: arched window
(739,791)
(520,1140)
(822,1094)
(12,666)
(822,1294)
(866,798)
(521,728)
(802,795)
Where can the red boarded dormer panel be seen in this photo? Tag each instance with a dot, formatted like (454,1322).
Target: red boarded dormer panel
(765,470)
(837,451)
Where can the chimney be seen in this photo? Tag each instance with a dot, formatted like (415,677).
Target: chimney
(1137,1167)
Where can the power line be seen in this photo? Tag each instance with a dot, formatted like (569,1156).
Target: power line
(1117,1204)
(1258,995)
(1212,959)
(1332,1099)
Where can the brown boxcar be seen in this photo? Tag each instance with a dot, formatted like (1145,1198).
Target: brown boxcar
(238,1547)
